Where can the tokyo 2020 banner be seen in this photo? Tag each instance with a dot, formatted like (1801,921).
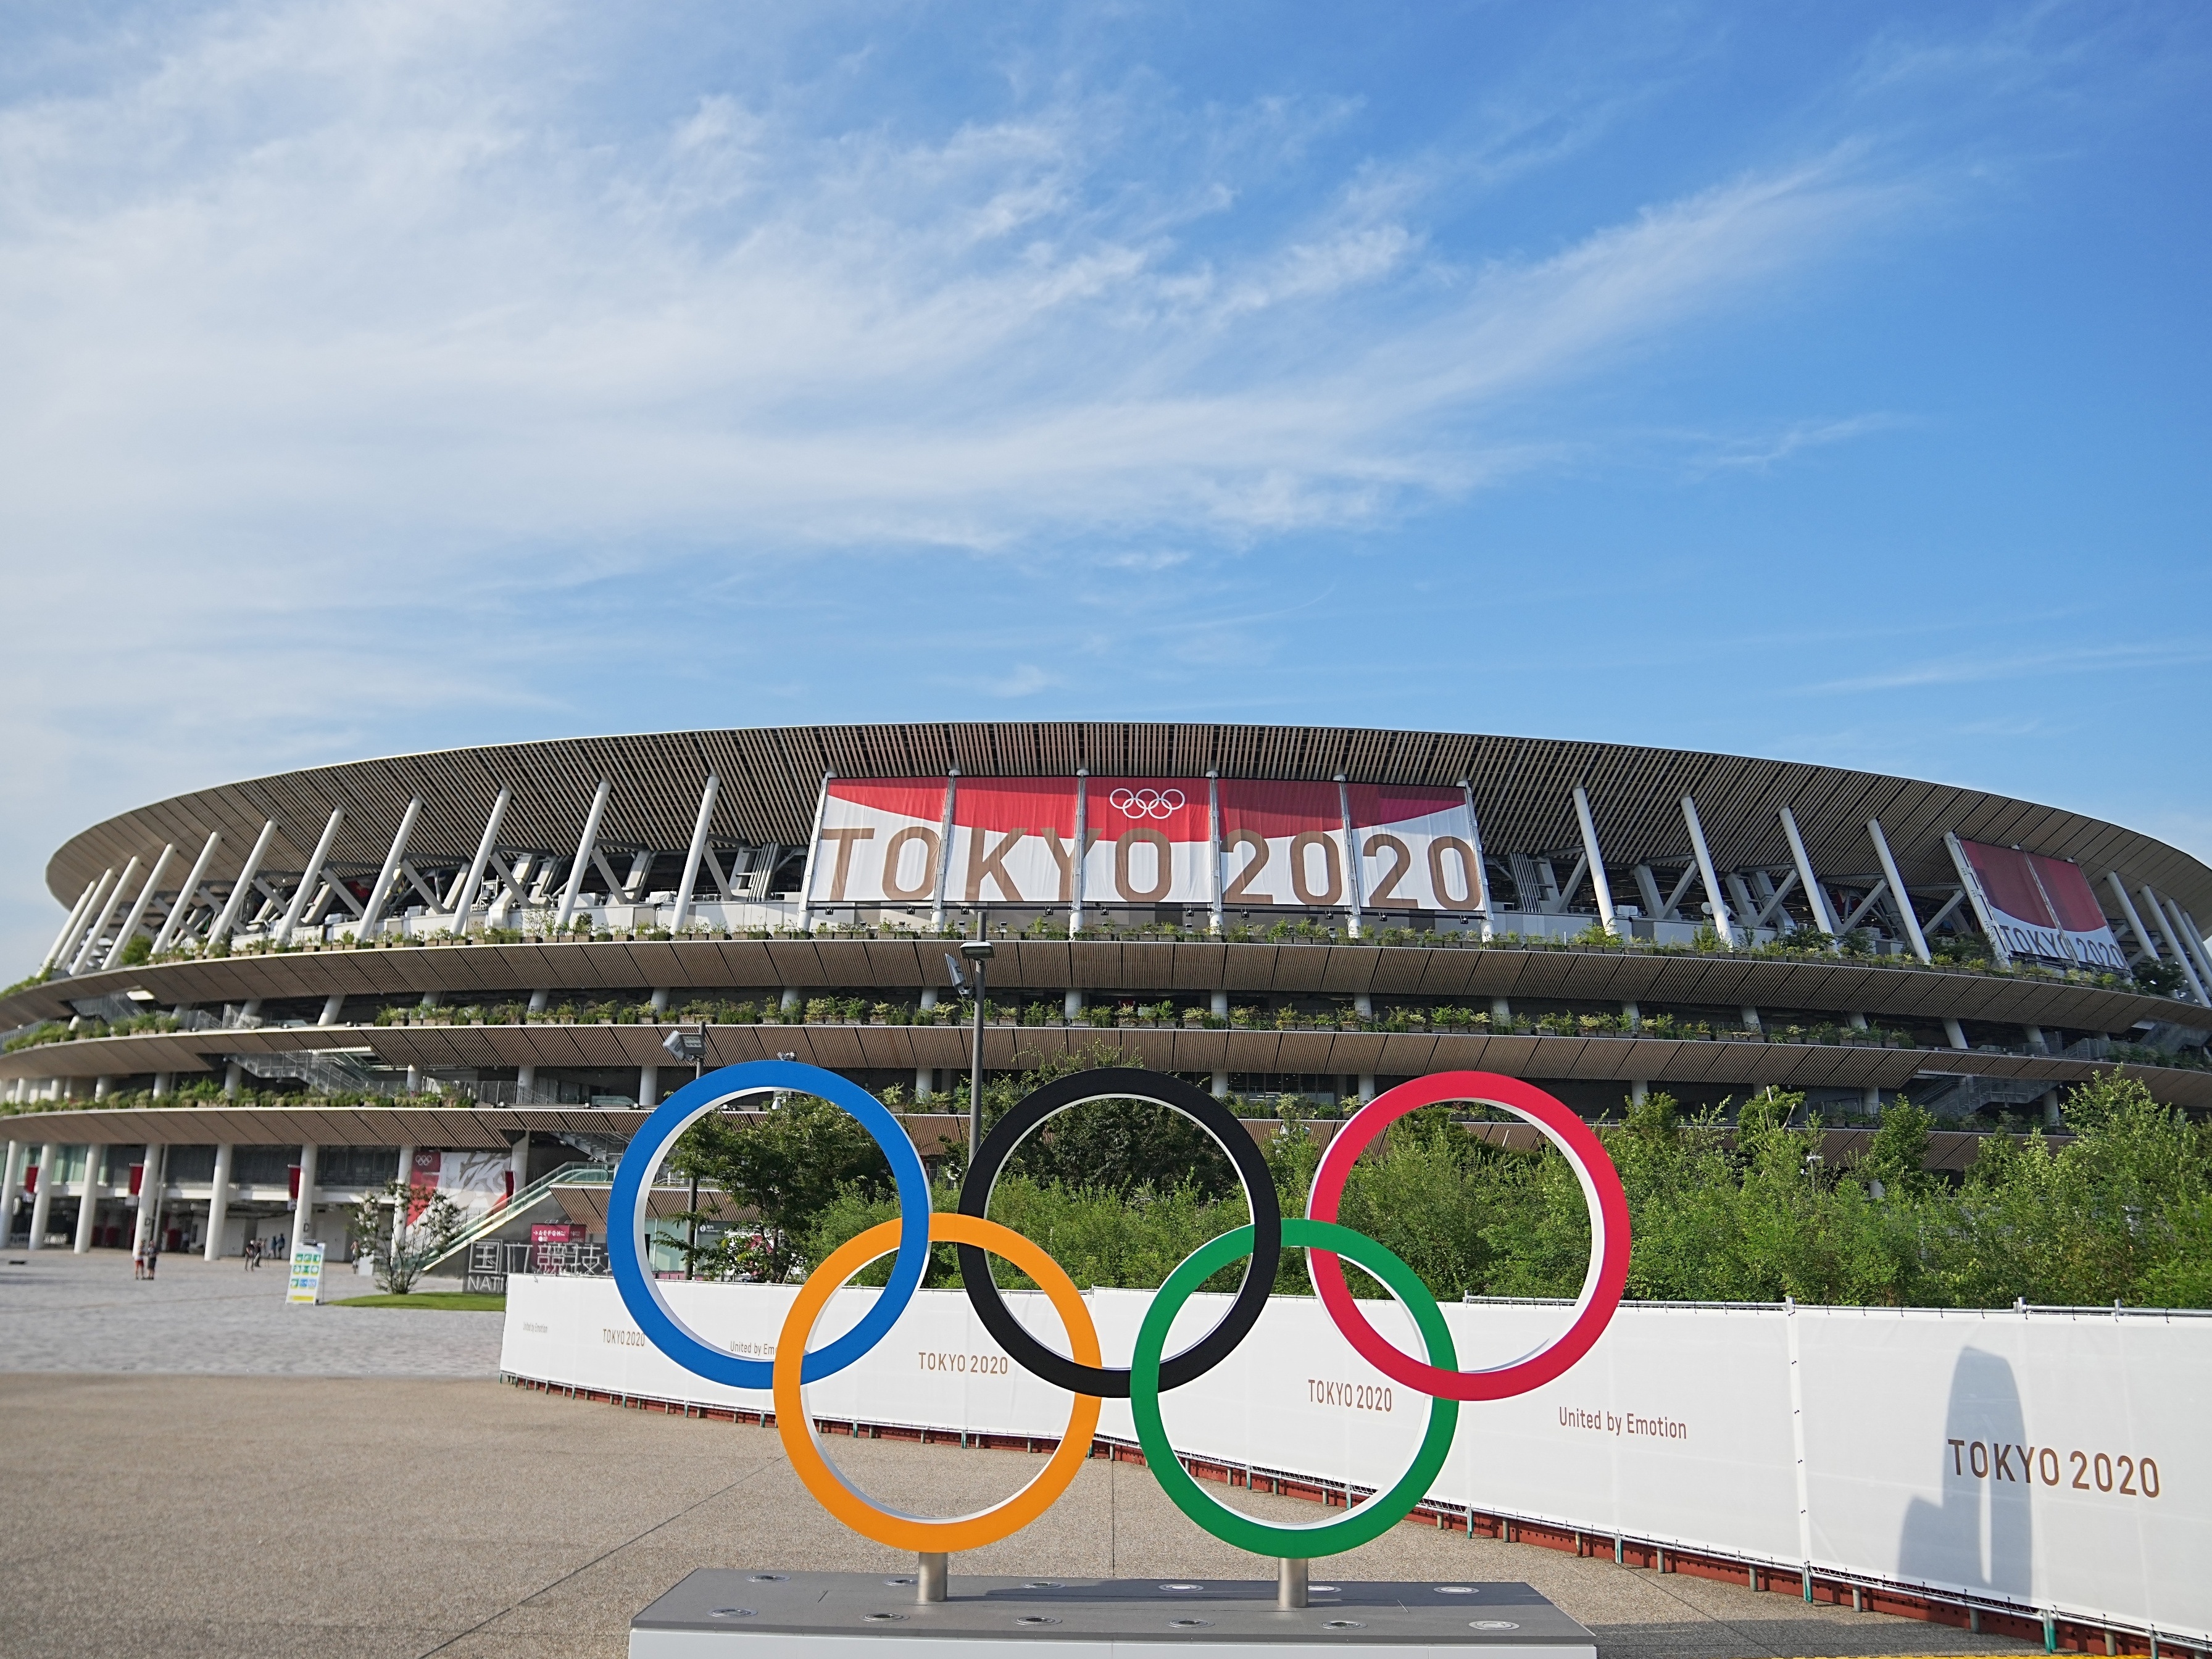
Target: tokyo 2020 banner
(1243,843)
(1077,1365)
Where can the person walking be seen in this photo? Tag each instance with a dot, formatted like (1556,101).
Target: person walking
(137,1262)
(153,1256)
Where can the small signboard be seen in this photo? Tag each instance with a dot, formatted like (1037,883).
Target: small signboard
(307,1281)
(488,1267)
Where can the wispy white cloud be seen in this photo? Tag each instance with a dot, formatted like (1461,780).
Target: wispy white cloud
(1981,667)
(342,333)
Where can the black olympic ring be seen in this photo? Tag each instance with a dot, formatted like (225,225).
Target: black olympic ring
(1124,1083)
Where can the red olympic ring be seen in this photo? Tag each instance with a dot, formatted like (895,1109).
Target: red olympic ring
(1601,1183)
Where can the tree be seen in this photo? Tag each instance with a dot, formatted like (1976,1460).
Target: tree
(403,1230)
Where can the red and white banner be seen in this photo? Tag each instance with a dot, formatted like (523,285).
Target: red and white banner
(1144,840)
(2038,907)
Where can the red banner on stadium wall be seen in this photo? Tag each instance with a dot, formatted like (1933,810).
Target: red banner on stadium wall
(1144,840)
(2038,907)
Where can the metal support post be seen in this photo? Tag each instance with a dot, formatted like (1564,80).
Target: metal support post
(1707,874)
(1976,900)
(185,895)
(1478,877)
(930,1574)
(1912,933)
(813,848)
(137,913)
(1212,848)
(227,919)
(1351,870)
(308,877)
(1600,887)
(944,853)
(586,844)
(102,913)
(218,1202)
(465,896)
(1290,1581)
(975,1061)
(697,849)
(388,876)
(1082,849)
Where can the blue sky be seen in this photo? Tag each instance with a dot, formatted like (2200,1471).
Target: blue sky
(1823,382)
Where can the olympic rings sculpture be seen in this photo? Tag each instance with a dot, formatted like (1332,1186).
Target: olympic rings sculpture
(1151,1372)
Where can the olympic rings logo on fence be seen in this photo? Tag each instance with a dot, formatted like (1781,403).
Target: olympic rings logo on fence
(1147,803)
(1151,1371)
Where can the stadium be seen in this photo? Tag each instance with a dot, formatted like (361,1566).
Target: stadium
(475,968)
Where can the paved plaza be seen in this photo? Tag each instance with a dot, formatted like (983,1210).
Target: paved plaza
(62,1312)
(202,1471)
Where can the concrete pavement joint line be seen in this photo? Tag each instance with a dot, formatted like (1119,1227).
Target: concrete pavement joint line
(604,1555)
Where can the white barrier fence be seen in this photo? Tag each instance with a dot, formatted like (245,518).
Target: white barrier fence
(2052,1462)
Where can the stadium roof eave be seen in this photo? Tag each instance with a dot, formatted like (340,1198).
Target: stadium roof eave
(770,774)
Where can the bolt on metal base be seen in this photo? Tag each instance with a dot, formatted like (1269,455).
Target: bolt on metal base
(1290,1581)
(929,1576)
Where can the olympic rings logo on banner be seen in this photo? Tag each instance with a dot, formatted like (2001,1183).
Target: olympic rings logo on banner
(1147,803)
(1151,1371)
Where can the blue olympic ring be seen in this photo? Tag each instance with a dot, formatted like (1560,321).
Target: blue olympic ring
(641,1292)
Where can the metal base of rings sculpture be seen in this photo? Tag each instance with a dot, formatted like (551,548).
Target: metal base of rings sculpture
(1152,1371)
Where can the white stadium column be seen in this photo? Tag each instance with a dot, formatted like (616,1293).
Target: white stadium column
(525,1083)
(11,1188)
(1600,886)
(1816,897)
(1708,874)
(42,1201)
(92,907)
(372,913)
(218,1202)
(137,913)
(2148,945)
(303,1208)
(697,850)
(648,1085)
(63,938)
(2165,927)
(517,1162)
(308,877)
(88,1203)
(151,1176)
(333,1006)
(102,914)
(235,904)
(465,893)
(1954,1033)
(586,844)
(1912,933)
(186,893)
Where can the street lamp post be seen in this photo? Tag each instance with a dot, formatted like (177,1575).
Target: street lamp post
(691,1046)
(977,952)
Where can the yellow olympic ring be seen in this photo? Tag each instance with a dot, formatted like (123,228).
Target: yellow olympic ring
(822,1477)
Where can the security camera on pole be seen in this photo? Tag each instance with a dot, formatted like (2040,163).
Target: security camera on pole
(977,951)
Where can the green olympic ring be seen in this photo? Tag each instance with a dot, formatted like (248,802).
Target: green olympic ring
(1355,1527)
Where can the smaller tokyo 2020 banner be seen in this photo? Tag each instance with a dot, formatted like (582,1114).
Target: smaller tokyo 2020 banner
(1244,843)
(2038,907)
